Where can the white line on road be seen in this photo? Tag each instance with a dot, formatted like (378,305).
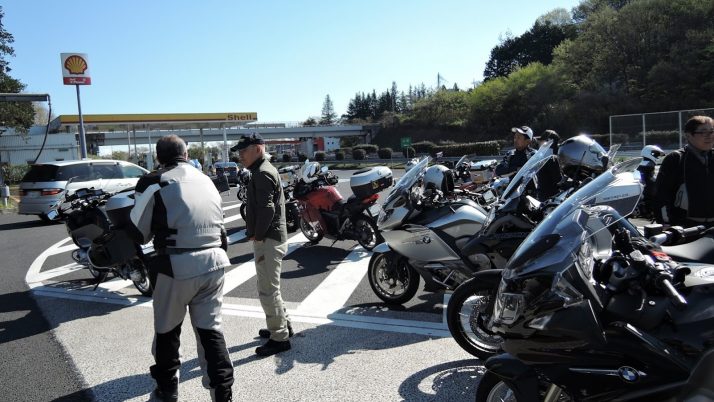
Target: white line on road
(232,218)
(52,273)
(236,237)
(336,289)
(115,284)
(232,207)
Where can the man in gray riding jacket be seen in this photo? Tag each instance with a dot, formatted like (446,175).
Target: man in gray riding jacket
(180,208)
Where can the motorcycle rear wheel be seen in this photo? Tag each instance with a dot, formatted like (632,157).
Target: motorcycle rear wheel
(465,315)
(368,234)
(311,233)
(143,285)
(391,278)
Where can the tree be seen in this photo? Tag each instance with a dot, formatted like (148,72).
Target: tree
(328,113)
(17,115)
(310,122)
(41,113)
(535,45)
(120,155)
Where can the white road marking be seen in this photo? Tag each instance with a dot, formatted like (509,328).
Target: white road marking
(52,273)
(232,207)
(232,218)
(336,289)
(240,274)
(36,266)
(65,249)
(115,284)
(236,237)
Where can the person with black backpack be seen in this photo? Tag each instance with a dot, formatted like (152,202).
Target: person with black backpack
(685,183)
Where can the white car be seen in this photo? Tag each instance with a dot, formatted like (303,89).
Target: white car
(42,186)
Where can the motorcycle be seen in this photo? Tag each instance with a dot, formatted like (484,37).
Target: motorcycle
(423,236)
(591,310)
(287,181)
(95,221)
(324,212)
(477,181)
(510,221)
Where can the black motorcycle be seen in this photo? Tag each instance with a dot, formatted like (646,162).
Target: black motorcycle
(95,221)
(591,310)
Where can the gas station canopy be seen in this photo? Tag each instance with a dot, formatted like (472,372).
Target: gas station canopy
(158,121)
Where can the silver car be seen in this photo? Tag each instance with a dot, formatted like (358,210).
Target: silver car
(42,186)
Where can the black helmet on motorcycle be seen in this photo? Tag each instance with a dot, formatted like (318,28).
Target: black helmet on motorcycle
(581,156)
(439,177)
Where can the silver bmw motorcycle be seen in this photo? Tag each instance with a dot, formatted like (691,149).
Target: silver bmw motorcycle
(423,236)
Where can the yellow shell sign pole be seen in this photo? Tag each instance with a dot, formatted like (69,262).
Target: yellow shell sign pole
(75,71)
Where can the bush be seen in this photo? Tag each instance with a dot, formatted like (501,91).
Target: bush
(385,153)
(409,152)
(368,148)
(15,173)
(664,138)
(339,155)
(287,158)
(319,156)
(423,147)
(345,150)
(358,154)
(302,157)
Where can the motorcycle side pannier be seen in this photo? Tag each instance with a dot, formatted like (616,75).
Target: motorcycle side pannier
(118,209)
(370,181)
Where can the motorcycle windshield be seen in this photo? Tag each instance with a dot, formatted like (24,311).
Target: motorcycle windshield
(527,171)
(408,180)
(461,161)
(588,211)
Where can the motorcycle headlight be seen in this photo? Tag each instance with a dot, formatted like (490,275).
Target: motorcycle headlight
(509,306)
(585,259)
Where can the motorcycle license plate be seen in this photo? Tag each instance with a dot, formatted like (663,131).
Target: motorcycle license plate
(32,194)
(374,210)
(52,215)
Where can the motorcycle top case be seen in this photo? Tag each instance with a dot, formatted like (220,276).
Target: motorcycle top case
(370,181)
(118,209)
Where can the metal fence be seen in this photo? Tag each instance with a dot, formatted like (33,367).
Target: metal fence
(665,129)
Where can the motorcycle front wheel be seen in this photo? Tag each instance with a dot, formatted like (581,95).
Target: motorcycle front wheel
(311,233)
(367,233)
(391,278)
(469,308)
(492,389)
(242,209)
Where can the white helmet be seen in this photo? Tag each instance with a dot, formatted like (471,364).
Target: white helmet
(439,177)
(652,153)
(309,171)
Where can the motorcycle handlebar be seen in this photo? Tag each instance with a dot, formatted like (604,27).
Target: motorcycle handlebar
(678,235)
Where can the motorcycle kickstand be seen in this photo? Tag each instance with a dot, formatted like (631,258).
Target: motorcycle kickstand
(100,279)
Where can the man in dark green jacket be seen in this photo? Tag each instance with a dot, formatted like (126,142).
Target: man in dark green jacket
(265,227)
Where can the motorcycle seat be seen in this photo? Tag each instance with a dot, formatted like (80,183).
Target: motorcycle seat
(700,250)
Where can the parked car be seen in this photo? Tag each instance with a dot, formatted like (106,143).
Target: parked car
(230,169)
(42,186)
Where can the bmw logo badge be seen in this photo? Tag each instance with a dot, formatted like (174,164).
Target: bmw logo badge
(628,374)
(426,240)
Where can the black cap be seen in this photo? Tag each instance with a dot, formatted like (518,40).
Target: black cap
(246,140)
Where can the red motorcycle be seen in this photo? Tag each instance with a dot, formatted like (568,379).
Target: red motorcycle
(325,213)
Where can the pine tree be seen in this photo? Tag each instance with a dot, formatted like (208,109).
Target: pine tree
(328,113)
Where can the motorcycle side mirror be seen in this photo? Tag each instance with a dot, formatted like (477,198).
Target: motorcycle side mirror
(324,169)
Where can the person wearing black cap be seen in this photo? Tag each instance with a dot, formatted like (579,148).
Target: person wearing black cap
(517,157)
(265,227)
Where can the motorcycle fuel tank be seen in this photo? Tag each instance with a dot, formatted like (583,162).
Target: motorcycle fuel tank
(467,220)
(419,243)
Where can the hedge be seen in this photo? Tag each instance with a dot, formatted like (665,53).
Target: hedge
(385,153)
(319,156)
(302,157)
(287,158)
(472,148)
(368,148)
(339,155)
(423,147)
(409,152)
(358,154)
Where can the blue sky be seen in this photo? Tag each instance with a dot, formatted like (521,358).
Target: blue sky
(276,58)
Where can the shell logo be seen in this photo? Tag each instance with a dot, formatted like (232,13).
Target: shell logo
(75,65)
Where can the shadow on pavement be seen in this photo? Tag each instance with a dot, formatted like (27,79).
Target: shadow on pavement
(25,225)
(444,382)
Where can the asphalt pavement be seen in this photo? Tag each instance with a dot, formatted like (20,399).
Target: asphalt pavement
(63,340)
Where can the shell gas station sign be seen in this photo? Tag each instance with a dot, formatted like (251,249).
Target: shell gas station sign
(75,69)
